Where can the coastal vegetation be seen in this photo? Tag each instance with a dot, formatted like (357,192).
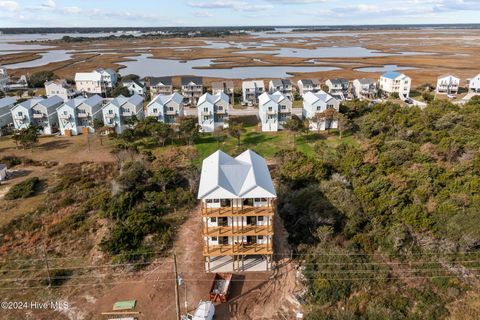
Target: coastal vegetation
(392,220)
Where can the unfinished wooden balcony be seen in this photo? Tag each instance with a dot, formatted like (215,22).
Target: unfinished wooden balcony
(237,211)
(230,231)
(237,249)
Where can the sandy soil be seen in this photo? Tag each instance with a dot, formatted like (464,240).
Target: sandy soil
(254,295)
(62,149)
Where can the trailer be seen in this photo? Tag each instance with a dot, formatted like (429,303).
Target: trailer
(204,311)
(220,287)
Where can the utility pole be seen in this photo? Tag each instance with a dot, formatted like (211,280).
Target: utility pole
(46,265)
(177,300)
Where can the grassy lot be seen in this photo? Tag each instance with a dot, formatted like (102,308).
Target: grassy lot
(266,143)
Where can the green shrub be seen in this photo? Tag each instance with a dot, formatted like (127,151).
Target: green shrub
(23,189)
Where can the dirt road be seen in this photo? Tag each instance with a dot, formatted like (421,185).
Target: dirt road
(254,295)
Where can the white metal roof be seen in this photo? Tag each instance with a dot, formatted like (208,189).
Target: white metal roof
(225,177)
(213,98)
(7,102)
(88,76)
(276,96)
(311,97)
(162,99)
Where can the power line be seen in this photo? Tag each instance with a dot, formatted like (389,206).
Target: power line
(236,280)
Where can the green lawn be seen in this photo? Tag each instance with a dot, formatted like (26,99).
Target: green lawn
(267,143)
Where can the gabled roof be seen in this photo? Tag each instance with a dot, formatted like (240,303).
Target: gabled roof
(164,99)
(155,81)
(88,76)
(121,100)
(447,76)
(220,85)
(276,97)
(136,82)
(50,102)
(253,84)
(213,99)
(196,80)
(306,82)
(339,81)
(7,101)
(30,103)
(366,81)
(92,101)
(311,97)
(245,176)
(60,82)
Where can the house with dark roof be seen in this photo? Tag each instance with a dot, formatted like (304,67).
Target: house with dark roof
(364,87)
(308,85)
(135,87)
(338,88)
(192,89)
(284,86)
(160,85)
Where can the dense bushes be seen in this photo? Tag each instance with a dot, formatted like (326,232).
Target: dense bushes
(23,189)
(410,186)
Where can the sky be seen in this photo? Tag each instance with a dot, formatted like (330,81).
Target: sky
(150,13)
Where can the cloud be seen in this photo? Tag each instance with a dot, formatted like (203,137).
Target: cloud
(72,10)
(9,5)
(203,14)
(237,5)
(49,4)
(298,1)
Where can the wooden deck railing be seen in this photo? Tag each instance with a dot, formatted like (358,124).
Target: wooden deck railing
(237,211)
(237,231)
(237,249)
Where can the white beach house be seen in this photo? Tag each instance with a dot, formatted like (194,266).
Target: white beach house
(135,87)
(60,88)
(160,85)
(212,111)
(338,88)
(308,85)
(39,112)
(274,110)
(474,84)
(78,115)
(237,200)
(284,86)
(120,112)
(166,108)
(3,78)
(317,103)
(395,82)
(251,90)
(364,88)
(6,120)
(192,89)
(448,84)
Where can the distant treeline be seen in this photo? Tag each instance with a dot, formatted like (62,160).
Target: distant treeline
(140,29)
(388,27)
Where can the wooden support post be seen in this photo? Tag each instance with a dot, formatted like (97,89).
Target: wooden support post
(177,298)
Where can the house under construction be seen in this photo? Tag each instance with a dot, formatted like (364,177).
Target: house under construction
(238,205)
